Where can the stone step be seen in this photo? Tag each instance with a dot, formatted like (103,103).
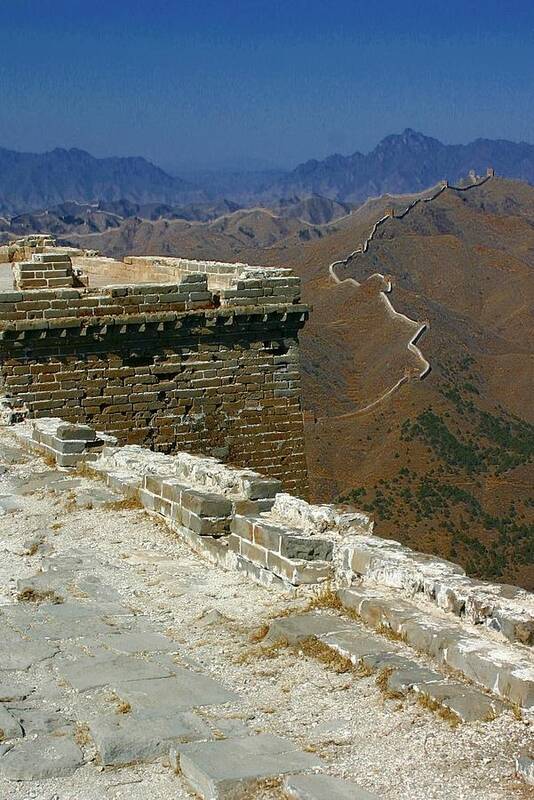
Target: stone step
(324,787)
(502,668)
(41,758)
(231,768)
(143,736)
(376,653)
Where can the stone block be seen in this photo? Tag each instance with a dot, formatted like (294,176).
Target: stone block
(65,447)
(230,769)
(515,627)
(38,759)
(324,787)
(153,484)
(253,507)
(243,526)
(90,673)
(430,636)
(355,643)
(469,704)
(163,507)
(11,297)
(376,609)
(254,553)
(257,573)
(206,504)
(22,655)
(143,736)
(415,677)
(390,661)
(234,543)
(508,674)
(9,726)
(172,489)
(261,488)
(268,536)
(181,691)
(47,258)
(308,548)
(82,432)
(298,571)
(65,460)
(204,526)
(304,626)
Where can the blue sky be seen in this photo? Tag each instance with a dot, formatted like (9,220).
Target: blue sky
(209,83)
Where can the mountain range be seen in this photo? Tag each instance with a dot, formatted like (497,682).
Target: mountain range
(32,181)
(400,163)
(407,162)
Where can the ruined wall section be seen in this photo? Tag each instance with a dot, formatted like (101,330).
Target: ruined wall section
(170,366)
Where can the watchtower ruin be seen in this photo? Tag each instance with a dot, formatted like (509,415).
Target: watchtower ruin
(167,353)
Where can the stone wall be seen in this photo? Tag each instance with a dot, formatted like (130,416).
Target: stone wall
(44,271)
(240,520)
(172,366)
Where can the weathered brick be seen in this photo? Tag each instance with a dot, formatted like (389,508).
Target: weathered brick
(206,504)
(205,526)
(243,526)
(198,381)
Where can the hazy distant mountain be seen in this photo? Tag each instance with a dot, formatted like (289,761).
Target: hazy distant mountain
(39,180)
(400,163)
(406,162)
(242,186)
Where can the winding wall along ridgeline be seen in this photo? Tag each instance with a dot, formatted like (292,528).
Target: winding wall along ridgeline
(419,328)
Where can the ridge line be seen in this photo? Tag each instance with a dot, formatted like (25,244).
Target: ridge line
(421,327)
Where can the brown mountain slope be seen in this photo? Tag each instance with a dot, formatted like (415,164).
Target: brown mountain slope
(223,237)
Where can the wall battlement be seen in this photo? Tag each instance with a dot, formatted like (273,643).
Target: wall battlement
(181,365)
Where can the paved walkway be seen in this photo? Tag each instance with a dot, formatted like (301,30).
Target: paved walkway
(124,656)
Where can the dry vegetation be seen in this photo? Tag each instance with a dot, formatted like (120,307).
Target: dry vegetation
(126,504)
(30,595)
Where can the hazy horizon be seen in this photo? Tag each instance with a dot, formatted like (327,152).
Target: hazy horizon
(245,165)
(211,84)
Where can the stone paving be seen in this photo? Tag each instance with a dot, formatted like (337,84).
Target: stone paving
(123,673)
(99,647)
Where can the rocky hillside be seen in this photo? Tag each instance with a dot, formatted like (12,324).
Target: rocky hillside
(218,229)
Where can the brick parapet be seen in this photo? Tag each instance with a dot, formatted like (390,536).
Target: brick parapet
(172,366)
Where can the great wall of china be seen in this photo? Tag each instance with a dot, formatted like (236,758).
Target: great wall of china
(419,328)
(174,392)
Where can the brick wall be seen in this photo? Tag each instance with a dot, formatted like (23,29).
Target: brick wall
(169,366)
(44,271)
